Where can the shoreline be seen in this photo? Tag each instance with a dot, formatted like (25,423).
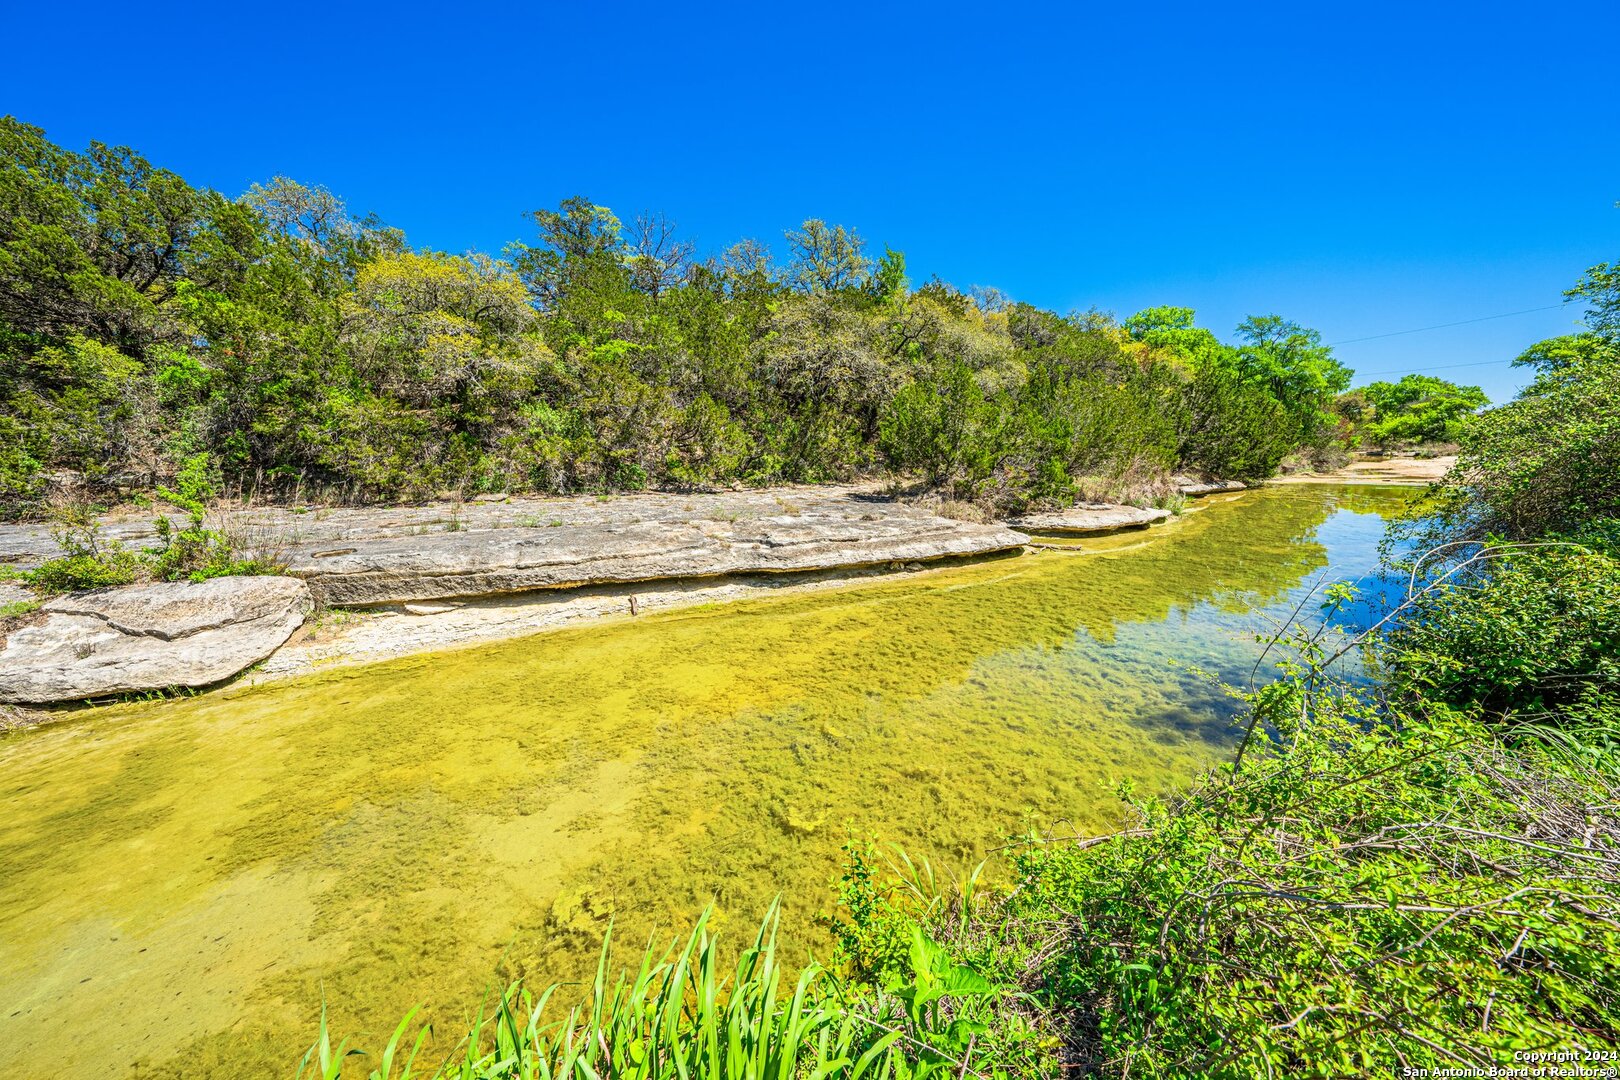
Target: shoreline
(344,636)
(1398,471)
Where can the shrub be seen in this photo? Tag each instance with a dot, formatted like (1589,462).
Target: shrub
(1547,462)
(194,552)
(1528,632)
(87,562)
(75,573)
(1365,900)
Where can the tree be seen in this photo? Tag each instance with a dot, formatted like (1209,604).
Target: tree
(1231,428)
(580,244)
(1173,329)
(1418,408)
(90,243)
(889,281)
(1600,288)
(314,223)
(657,259)
(943,426)
(826,258)
(1560,353)
(1291,362)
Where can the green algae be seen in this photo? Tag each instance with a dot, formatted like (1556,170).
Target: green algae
(184,880)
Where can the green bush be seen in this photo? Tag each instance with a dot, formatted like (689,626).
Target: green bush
(75,573)
(87,562)
(1529,633)
(1364,901)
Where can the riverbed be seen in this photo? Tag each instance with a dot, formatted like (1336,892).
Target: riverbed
(182,881)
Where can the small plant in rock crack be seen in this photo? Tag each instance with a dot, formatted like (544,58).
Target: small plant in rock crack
(192,551)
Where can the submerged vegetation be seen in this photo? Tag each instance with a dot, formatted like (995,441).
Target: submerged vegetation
(1417,866)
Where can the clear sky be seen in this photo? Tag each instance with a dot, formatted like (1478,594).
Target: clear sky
(1360,168)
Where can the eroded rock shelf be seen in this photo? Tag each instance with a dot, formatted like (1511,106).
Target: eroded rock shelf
(428,560)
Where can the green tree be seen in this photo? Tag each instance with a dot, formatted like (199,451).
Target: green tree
(1291,362)
(827,258)
(944,427)
(889,280)
(1418,408)
(1561,353)
(580,253)
(1172,329)
(1600,288)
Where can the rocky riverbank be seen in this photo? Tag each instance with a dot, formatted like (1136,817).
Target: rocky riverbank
(386,581)
(1402,469)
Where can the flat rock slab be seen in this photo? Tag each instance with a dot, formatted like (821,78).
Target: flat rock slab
(461,564)
(1086,518)
(442,551)
(1193,488)
(149,637)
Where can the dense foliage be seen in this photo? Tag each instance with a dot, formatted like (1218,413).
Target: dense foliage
(1372,898)
(292,347)
(1528,633)
(1415,409)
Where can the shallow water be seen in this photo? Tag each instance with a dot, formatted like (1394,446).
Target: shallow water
(181,881)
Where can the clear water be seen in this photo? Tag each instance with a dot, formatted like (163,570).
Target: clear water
(182,881)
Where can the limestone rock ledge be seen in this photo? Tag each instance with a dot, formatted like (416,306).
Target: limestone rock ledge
(1192,488)
(1090,518)
(149,637)
(441,566)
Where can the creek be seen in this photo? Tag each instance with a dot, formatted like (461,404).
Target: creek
(182,881)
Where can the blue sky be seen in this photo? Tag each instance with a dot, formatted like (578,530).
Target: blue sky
(1360,168)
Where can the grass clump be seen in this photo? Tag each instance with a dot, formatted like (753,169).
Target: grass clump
(679,1015)
(187,552)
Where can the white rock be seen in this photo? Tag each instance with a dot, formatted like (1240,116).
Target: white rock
(1192,488)
(428,607)
(1090,518)
(149,637)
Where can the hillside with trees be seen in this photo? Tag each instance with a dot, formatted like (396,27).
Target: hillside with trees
(278,346)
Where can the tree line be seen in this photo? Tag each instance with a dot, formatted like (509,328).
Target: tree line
(277,344)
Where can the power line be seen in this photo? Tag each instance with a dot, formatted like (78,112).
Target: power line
(1422,371)
(1442,326)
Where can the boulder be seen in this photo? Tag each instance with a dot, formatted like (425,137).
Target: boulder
(1085,518)
(149,637)
(1193,488)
